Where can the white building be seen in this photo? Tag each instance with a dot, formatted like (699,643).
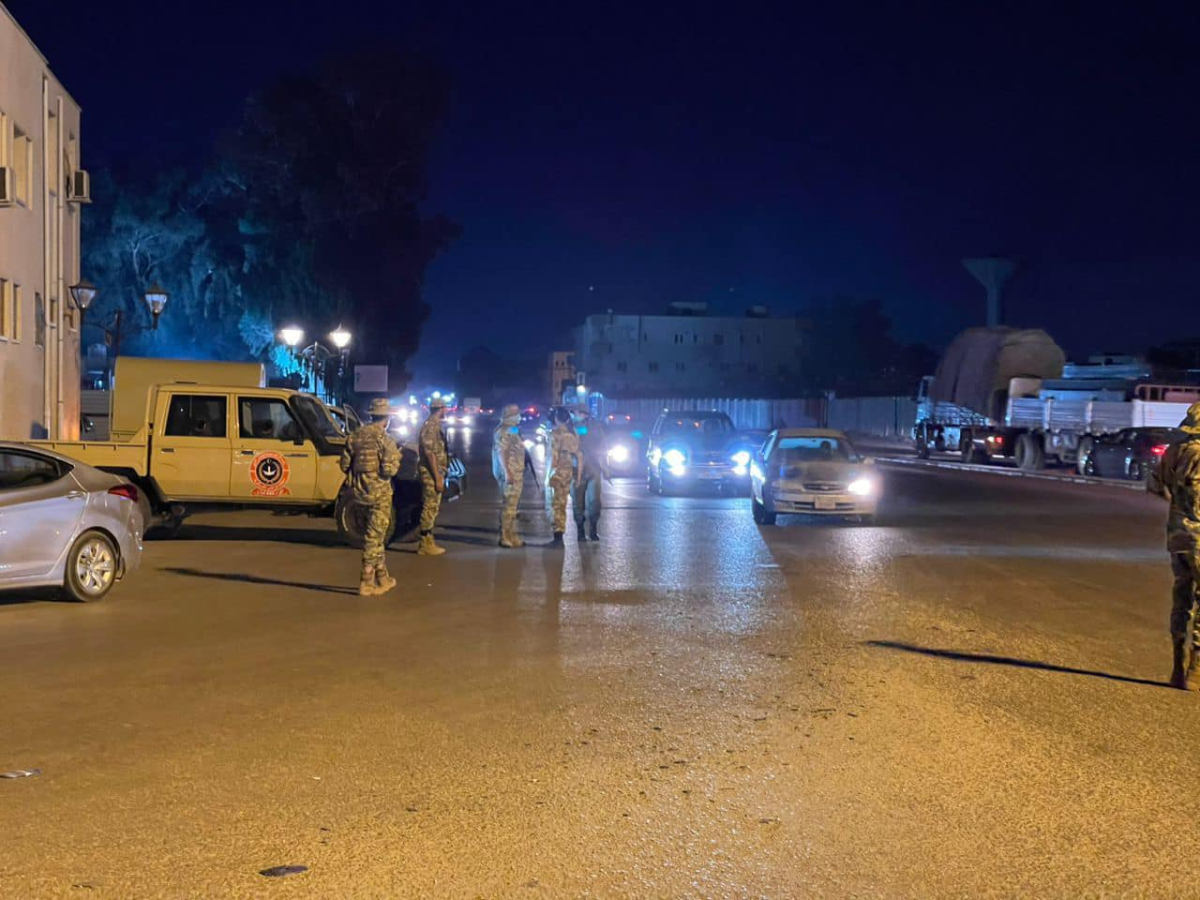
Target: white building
(560,369)
(41,187)
(690,353)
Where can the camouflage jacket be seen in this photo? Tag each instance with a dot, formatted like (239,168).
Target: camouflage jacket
(508,456)
(433,445)
(1178,479)
(371,460)
(593,446)
(564,449)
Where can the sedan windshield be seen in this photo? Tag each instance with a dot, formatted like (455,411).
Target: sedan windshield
(795,450)
(689,425)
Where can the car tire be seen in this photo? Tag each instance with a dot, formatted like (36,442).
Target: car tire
(922,449)
(967,447)
(91,567)
(351,525)
(1084,464)
(760,514)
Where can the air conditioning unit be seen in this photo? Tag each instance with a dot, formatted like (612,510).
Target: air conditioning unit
(80,187)
(7,187)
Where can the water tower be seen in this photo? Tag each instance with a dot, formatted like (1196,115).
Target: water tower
(993,273)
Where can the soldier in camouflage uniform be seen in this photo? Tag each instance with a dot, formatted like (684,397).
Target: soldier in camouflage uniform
(509,460)
(593,447)
(1178,479)
(563,460)
(435,459)
(371,460)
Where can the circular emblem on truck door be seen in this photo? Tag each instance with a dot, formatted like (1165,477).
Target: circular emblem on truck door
(269,472)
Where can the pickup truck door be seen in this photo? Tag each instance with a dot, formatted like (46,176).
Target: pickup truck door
(189,456)
(272,456)
(41,505)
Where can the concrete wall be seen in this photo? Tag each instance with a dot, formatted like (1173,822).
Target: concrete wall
(886,417)
(39,246)
(648,356)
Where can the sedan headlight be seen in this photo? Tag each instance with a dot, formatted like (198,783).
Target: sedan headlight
(528,444)
(861,487)
(741,458)
(674,458)
(618,453)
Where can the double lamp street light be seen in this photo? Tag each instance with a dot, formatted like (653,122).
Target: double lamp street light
(85,293)
(314,357)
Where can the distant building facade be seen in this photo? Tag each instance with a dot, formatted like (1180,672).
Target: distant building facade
(41,188)
(560,370)
(690,353)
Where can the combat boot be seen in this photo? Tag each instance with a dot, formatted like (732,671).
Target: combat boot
(1180,667)
(557,543)
(428,547)
(509,539)
(366,584)
(383,581)
(581,532)
(593,532)
(1192,679)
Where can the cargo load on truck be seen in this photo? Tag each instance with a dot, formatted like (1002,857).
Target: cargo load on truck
(980,364)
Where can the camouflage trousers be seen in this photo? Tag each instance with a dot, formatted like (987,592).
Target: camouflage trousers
(508,511)
(376,518)
(431,501)
(560,493)
(587,499)
(1185,617)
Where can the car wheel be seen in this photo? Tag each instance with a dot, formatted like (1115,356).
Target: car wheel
(352,522)
(91,567)
(1085,464)
(760,514)
(922,449)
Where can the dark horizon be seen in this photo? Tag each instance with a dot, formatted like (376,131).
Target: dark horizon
(765,158)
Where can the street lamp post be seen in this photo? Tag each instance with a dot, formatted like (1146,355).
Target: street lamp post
(341,339)
(156,302)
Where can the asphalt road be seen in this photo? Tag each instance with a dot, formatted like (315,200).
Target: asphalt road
(966,700)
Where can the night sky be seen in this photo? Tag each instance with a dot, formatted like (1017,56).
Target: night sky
(616,157)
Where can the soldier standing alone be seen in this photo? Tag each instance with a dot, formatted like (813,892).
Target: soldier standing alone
(508,466)
(435,459)
(371,460)
(1178,479)
(593,447)
(563,460)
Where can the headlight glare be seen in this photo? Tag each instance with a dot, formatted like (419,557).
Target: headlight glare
(741,458)
(618,453)
(861,487)
(674,458)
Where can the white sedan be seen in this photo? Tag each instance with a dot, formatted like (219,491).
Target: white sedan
(65,525)
(812,471)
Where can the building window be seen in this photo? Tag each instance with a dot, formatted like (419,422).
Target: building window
(653,367)
(22,165)
(680,367)
(39,317)
(783,369)
(695,338)
(752,368)
(719,339)
(679,338)
(621,367)
(7,314)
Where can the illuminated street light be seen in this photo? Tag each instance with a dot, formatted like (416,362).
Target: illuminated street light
(340,337)
(83,294)
(156,302)
(292,336)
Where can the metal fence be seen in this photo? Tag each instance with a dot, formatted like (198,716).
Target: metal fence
(745,413)
(886,417)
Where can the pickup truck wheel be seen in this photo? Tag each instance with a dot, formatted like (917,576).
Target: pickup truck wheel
(922,449)
(1031,456)
(91,567)
(968,448)
(351,522)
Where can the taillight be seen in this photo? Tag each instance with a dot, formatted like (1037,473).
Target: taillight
(128,491)
(1159,450)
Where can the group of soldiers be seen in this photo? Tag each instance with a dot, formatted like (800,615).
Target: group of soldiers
(577,464)
(576,460)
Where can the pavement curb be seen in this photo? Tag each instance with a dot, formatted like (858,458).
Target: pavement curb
(1010,473)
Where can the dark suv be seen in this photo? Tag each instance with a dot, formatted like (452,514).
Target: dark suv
(691,448)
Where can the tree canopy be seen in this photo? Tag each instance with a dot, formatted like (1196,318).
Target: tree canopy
(308,212)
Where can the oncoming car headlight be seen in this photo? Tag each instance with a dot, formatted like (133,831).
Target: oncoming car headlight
(528,444)
(861,487)
(674,458)
(741,458)
(618,453)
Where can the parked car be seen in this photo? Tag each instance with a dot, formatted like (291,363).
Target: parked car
(65,524)
(626,446)
(1131,453)
(812,471)
(688,448)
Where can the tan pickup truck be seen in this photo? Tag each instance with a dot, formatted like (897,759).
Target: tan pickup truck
(224,440)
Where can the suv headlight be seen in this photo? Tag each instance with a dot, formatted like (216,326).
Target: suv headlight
(618,453)
(741,458)
(674,458)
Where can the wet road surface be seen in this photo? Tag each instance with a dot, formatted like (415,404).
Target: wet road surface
(963,701)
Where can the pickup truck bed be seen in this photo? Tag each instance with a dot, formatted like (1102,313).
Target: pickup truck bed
(125,455)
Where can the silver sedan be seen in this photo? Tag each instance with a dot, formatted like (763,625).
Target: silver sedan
(64,524)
